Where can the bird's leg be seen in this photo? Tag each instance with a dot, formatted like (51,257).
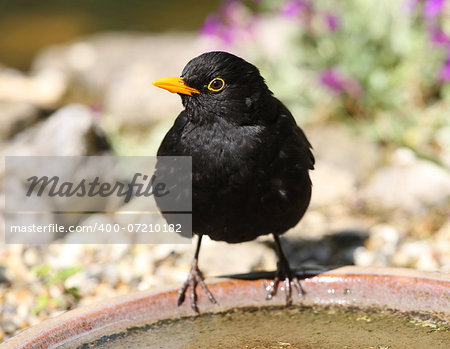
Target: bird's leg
(195,278)
(285,274)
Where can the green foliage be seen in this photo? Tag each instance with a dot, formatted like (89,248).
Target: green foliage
(56,278)
(60,276)
(377,44)
(383,47)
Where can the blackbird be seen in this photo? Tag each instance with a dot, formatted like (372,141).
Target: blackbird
(250,160)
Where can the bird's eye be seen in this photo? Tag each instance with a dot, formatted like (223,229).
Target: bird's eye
(216,85)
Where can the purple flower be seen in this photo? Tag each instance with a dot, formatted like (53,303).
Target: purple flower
(292,8)
(231,9)
(438,36)
(332,79)
(222,24)
(230,23)
(411,5)
(228,35)
(444,72)
(211,26)
(332,22)
(340,83)
(432,8)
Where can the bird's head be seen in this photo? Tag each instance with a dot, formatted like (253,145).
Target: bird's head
(219,84)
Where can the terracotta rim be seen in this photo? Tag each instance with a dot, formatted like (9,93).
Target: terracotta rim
(387,288)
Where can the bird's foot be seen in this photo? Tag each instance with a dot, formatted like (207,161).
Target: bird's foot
(195,278)
(285,274)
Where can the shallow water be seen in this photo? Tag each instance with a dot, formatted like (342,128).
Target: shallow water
(284,328)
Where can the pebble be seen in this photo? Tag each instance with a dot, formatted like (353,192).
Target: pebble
(121,67)
(409,184)
(3,278)
(70,131)
(219,258)
(383,238)
(15,117)
(363,257)
(336,184)
(443,140)
(45,88)
(31,256)
(416,254)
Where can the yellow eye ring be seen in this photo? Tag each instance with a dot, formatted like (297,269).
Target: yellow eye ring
(216,85)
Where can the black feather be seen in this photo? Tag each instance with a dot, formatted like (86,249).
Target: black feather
(250,160)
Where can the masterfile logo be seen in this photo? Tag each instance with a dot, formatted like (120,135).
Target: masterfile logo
(96,187)
(89,197)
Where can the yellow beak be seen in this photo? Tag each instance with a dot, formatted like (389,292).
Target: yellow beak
(175,85)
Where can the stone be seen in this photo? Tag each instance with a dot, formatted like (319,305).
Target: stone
(416,254)
(85,283)
(15,117)
(363,257)
(65,255)
(32,256)
(343,160)
(337,145)
(314,225)
(331,184)
(44,88)
(384,238)
(160,252)
(443,239)
(409,184)
(3,278)
(378,250)
(443,140)
(121,67)
(71,131)
(219,258)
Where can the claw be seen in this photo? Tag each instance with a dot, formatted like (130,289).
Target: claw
(272,288)
(195,277)
(297,286)
(287,290)
(207,291)
(285,273)
(181,293)
(288,281)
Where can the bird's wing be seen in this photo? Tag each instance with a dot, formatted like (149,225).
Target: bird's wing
(307,147)
(288,130)
(169,145)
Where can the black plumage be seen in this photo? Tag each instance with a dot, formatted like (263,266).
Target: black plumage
(250,161)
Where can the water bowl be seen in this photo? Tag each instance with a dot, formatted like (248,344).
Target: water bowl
(347,307)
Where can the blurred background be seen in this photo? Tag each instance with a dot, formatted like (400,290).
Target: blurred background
(368,81)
